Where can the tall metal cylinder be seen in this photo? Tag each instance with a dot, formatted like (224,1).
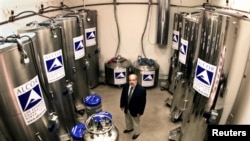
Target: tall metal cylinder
(50,51)
(162,23)
(237,95)
(206,96)
(187,60)
(75,51)
(176,38)
(92,49)
(26,113)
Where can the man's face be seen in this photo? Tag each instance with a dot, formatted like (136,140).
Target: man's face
(132,80)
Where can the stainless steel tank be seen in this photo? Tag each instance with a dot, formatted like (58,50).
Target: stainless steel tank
(187,59)
(26,113)
(50,52)
(117,70)
(173,76)
(206,96)
(100,127)
(147,71)
(163,19)
(74,50)
(92,49)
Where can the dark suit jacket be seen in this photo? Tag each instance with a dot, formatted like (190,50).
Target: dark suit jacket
(137,101)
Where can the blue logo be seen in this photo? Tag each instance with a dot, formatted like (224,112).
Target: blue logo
(148,77)
(90,35)
(204,75)
(183,49)
(79,45)
(175,38)
(31,98)
(54,64)
(120,75)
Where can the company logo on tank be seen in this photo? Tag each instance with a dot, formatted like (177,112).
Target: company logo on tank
(148,78)
(175,40)
(90,35)
(54,66)
(204,77)
(30,100)
(120,76)
(79,51)
(183,51)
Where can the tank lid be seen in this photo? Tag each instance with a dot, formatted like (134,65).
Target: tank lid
(93,100)
(105,113)
(117,59)
(78,130)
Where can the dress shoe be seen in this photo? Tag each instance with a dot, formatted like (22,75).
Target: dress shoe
(135,136)
(127,131)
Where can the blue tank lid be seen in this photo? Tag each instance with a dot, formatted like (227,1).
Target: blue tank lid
(78,130)
(102,116)
(93,100)
(108,114)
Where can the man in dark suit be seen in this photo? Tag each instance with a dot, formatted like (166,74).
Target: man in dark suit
(132,102)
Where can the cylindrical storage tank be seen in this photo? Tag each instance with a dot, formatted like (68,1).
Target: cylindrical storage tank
(147,71)
(92,49)
(117,70)
(163,22)
(74,52)
(239,99)
(49,50)
(206,95)
(187,58)
(77,132)
(100,126)
(93,104)
(174,61)
(24,105)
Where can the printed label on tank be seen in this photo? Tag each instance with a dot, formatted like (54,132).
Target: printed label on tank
(30,100)
(148,78)
(90,35)
(79,50)
(120,76)
(54,66)
(175,40)
(204,77)
(183,51)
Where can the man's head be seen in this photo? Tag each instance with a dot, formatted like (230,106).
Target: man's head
(132,79)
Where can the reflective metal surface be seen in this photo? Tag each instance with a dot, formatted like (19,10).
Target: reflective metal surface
(147,71)
(100,128)
(177,28)
(205,97)
(92,49)
(236,96)
(162,23)
(25,107)
(117,70)
(187,60)
(49,50)
(74,51)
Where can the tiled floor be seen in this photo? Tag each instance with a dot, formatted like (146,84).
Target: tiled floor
(155,123)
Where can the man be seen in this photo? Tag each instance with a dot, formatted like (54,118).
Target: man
(132,102)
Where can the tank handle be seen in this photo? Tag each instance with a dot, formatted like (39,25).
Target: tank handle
(24,55)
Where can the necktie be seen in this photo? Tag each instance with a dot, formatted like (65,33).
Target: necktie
(130,93)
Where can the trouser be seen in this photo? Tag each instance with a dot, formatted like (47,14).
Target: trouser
(132,123)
